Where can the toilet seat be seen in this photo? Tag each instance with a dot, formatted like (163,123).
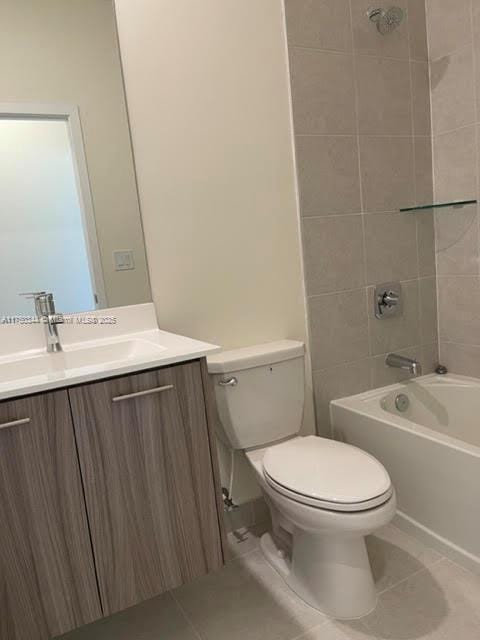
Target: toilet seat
(326,474)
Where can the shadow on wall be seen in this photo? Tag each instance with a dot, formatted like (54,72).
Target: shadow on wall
(438,70)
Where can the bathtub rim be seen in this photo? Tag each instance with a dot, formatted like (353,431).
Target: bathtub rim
(364,404)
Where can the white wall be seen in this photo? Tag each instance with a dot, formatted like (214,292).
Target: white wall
(207,91)
(66,51)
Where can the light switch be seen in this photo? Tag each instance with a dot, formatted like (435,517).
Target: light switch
(123,260)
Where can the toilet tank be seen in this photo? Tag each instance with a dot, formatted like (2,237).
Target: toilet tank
(260,392)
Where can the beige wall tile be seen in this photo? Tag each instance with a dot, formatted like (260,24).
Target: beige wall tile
(421,98)
(393,105)
(328,175)
(476,47)
(338,328)
(392,334)
(368,40)
(453,98)
(463,359)
(449,26)
(477,140)
(338,382)
(456,241)
(334,257)
(387,172)
(423,170)
(430,357)
(418,30)
(427,292)
(455,165)
(426,243)
(459,309)
(391,247)
(384,101)
(322,24)
(381,375)
(322,92)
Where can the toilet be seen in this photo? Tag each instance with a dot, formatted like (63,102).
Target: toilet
(324,496)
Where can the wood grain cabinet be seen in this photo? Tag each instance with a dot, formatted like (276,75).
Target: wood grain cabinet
(47,576)
(145,457)
(108,496)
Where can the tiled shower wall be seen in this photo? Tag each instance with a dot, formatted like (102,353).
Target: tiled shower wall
(361,113)
(454,51)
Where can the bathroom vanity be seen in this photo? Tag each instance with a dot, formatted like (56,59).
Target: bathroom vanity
(109,490)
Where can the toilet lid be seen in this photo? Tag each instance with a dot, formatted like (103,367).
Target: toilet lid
(338,475)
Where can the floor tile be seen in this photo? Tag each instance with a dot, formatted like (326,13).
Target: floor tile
(440,603)
(335,630)
(394,556)
(246,600)
(156,619)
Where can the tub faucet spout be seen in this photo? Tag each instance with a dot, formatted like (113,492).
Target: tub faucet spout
(402,362)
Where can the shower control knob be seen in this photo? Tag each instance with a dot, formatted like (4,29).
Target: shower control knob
(390,299)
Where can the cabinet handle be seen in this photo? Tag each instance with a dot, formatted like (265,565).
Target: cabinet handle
(138,394)
(14,423)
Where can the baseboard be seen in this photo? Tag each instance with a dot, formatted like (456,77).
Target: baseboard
(433,540)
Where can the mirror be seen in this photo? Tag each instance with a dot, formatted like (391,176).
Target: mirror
(69,213)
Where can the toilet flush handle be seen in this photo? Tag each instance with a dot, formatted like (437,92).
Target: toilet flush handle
(231,382)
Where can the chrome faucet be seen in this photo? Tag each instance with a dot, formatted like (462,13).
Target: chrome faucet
(45,311)
(402,362)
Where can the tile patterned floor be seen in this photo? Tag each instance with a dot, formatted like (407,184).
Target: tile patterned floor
(422,596)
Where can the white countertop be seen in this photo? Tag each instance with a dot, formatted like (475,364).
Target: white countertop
(119,351)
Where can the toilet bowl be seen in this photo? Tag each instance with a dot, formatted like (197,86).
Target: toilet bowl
(324,496)
(317,543)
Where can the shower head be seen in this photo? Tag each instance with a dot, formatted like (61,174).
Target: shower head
(386,19)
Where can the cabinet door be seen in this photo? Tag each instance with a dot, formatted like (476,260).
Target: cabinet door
(145,458)
(47,576)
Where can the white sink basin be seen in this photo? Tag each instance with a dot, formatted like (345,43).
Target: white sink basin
(77,357)
(34,371)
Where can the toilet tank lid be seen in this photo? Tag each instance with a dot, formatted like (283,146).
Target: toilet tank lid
(255,356)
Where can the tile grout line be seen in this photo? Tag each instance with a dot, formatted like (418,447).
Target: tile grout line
(476,108)
(361,193)
(391,212)
(354,51)
(424,569)
(299,225)
(452,52)
(434,189)
(186,616)
(403,136)
(412,121)
(318,626)
(420,318)
(371,285)
(446,132)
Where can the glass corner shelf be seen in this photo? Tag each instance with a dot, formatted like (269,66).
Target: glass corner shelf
(439,205)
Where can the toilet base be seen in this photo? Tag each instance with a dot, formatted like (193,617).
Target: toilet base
(330,573)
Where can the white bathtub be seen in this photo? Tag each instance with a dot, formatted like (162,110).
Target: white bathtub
(432,453)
